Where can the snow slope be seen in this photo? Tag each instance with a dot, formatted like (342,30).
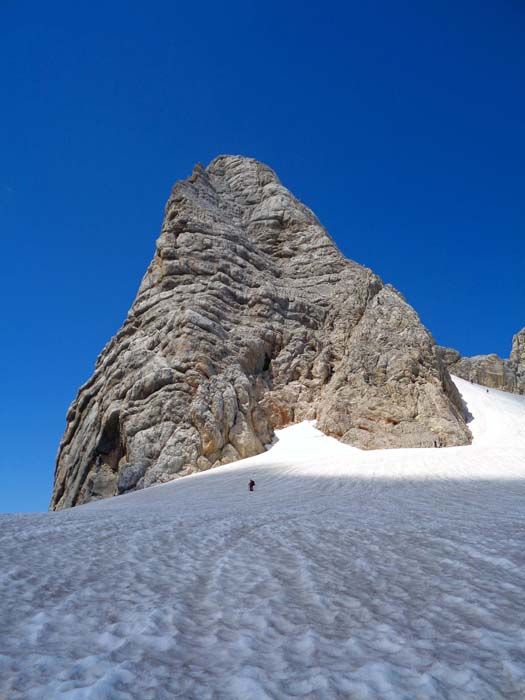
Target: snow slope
(346,574)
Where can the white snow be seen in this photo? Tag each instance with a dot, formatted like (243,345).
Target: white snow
(393,574)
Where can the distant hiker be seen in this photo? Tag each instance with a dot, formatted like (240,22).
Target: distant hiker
(435,443)
(251,484)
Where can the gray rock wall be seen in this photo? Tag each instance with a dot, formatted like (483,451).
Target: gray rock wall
(491,370)
(249,319)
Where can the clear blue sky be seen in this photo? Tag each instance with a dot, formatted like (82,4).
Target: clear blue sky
(401,124)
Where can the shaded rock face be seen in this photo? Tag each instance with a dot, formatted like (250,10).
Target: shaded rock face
(491,370)
(249,319)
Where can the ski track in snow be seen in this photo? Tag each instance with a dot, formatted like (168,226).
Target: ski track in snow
(394,574)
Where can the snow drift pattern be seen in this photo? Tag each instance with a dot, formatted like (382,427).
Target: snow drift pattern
(393,574)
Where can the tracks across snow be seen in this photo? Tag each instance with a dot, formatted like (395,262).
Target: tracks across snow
(372,576)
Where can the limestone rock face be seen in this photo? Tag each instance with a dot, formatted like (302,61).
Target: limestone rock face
(491,370)
(248,319)
(517,360)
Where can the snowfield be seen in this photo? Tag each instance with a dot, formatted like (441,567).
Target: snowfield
(393,574)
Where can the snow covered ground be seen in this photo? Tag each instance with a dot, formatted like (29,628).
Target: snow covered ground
(346,574)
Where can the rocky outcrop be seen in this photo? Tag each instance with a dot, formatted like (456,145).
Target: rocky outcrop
(248,319)
(491,370)
(517,360)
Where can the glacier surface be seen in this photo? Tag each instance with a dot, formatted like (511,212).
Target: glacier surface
(392,574)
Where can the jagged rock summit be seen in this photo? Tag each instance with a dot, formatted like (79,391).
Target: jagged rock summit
(248,319)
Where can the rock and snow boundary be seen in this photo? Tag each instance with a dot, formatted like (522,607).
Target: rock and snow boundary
(393,574)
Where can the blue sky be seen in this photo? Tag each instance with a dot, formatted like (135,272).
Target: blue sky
(400,124)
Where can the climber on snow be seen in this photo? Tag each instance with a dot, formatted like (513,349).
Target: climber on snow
(251,485)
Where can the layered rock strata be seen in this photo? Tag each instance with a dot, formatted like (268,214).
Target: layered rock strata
(491,370)
(249,319)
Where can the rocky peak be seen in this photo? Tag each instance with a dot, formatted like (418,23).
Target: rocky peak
(248,319)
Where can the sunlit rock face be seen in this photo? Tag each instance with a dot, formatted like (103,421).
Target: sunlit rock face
(248,319)
(491,370)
